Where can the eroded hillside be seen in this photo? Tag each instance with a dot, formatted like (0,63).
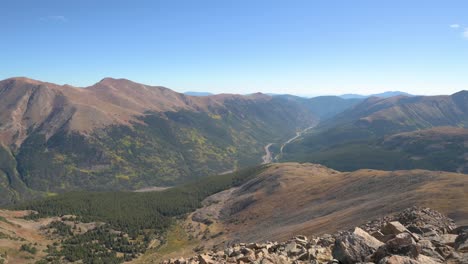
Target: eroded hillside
(309,199)
(414,236)
(295,198)
(118,134)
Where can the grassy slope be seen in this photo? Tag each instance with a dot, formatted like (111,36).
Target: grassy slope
(162,149)
(290,198)
(357,138)
(12,188)
(445,153)
(120,135)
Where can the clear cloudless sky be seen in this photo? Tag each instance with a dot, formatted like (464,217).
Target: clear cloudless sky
(241,46)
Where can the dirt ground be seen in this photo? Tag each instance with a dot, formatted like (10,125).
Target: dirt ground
(15,232)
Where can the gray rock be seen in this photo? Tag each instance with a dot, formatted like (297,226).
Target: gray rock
(398,260)
(247,251)
(245,259)
(461,242)
(428,260)
(326,240)
(402,245)
(304,256)
(428,249)
(275,259)
(180,261)
(302,240)
(400,240)
(320,254)
(393,228)
(369,240)
(459,230)
(425,219)
(445,239)
(294,249)
(444,251)
(457,258)
(381,237)
(205,259)
(354,247)
(229,251)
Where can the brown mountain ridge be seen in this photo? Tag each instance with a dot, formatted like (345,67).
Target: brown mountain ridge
(118,134)
(27,104)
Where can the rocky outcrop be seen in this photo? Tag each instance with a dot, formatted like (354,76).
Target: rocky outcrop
(415,236)
(355,247)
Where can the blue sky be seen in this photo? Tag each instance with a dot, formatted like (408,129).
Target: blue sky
(299,47)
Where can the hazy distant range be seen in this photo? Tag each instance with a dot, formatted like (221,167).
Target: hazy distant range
(344,96)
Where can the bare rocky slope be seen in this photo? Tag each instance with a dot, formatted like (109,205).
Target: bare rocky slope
(414,236)
(293,198)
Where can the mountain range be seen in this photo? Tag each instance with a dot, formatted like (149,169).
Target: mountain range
(147,173)
(323,107)
(391,133)
(122,135)
(382,95)
(198,93)
(344,96)
(118,134)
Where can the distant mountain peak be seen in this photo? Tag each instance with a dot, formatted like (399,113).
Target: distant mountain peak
(381,95)
(461,93)
(259,95)
(193,93)
(391,94)
(23,80)
(116,81)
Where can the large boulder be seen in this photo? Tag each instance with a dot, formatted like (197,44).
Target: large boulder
(320,254)
(370,240)
(461,242)
(428,249)
(428,260)
(444,240)
(393,228)
(398,260)
(205,259)
(403,245)
(180,261)
(275,259)
(425,221)
(355,247)
(294,249)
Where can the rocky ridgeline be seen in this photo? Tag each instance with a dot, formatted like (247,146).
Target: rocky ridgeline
(415,236)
